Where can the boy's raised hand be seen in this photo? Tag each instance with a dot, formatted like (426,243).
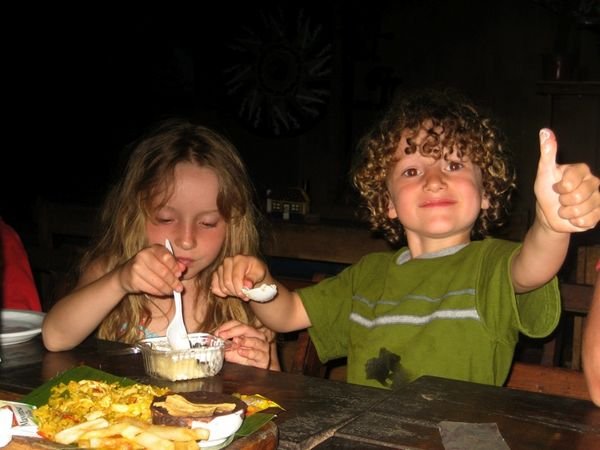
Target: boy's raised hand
(568,199)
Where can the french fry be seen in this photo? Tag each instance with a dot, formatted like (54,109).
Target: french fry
(187,445)
(131,434)
(72,434)
(132,430)
(172,433)
(153,442)
(179,434)
(111,430)
(117,442)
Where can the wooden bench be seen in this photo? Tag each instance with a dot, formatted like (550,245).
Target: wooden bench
(548,380)
(322,242)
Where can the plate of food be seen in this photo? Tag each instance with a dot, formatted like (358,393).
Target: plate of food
(17,326)
(104,410)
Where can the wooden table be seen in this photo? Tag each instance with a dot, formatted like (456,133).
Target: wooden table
(327,414)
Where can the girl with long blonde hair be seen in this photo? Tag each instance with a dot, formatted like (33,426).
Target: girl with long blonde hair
(188,184)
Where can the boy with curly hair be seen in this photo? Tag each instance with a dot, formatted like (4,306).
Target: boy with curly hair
(451,303)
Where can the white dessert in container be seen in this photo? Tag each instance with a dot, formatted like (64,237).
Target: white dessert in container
(203,359)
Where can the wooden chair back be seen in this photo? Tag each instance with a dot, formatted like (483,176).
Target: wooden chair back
(61,224)
(63,231)
(576,301)
(306,360)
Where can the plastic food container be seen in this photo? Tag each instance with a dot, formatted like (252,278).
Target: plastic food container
(204,359)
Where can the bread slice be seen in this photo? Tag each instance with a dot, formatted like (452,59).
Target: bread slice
(184,408)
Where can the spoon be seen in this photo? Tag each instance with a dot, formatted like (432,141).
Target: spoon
(176,332)
(262,293)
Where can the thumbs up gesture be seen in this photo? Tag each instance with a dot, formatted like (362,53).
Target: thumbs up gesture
(568,196)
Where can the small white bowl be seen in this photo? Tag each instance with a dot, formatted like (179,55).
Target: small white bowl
(204,359)
(221,426)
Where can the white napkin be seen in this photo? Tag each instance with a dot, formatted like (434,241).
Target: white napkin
(474,436)
(19,420)
(6,420)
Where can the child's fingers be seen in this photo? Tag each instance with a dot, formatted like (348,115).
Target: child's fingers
(227,329)
(215,284)
(547,167)
(577,183)
(232,329)
(548,173)
(252,351)
(587,221)
(225,281)
(145,273)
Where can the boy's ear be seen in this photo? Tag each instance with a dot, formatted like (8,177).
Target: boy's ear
(485,202)
(392,214)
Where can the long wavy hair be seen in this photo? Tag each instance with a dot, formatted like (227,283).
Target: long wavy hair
(148,181)
(452,125)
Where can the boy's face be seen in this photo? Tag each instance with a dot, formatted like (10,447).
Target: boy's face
(438,199)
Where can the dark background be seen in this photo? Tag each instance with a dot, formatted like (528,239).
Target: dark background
(85,81)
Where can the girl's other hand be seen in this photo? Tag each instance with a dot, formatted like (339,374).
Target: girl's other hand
(249,346)
(235,273)
(153,270)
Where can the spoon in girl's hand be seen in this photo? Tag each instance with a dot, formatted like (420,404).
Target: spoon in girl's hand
(176,332)
(262,293)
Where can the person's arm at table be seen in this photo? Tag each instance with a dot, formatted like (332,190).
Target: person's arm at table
(591,343)
(284,313)
(153,271)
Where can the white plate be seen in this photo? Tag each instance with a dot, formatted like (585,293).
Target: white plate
(19,325)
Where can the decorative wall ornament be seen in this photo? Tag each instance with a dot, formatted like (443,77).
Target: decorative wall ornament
(279,77)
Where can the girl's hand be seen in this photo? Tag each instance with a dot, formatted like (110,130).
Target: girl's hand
(237,272)
(153,270)
(567,195)
(250,346)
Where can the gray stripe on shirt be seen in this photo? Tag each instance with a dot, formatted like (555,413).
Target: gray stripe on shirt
(414,320)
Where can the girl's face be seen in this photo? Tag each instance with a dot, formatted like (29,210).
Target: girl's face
(437,201)
(190,219)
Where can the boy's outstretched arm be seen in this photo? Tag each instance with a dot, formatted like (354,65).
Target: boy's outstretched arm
(282,314)
(567,201)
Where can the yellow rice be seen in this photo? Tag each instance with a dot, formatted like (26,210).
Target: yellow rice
(79,401)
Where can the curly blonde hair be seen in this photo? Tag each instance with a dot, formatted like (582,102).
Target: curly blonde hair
(147,181)
(452,124)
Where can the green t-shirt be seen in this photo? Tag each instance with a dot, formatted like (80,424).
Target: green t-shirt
(453,314)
